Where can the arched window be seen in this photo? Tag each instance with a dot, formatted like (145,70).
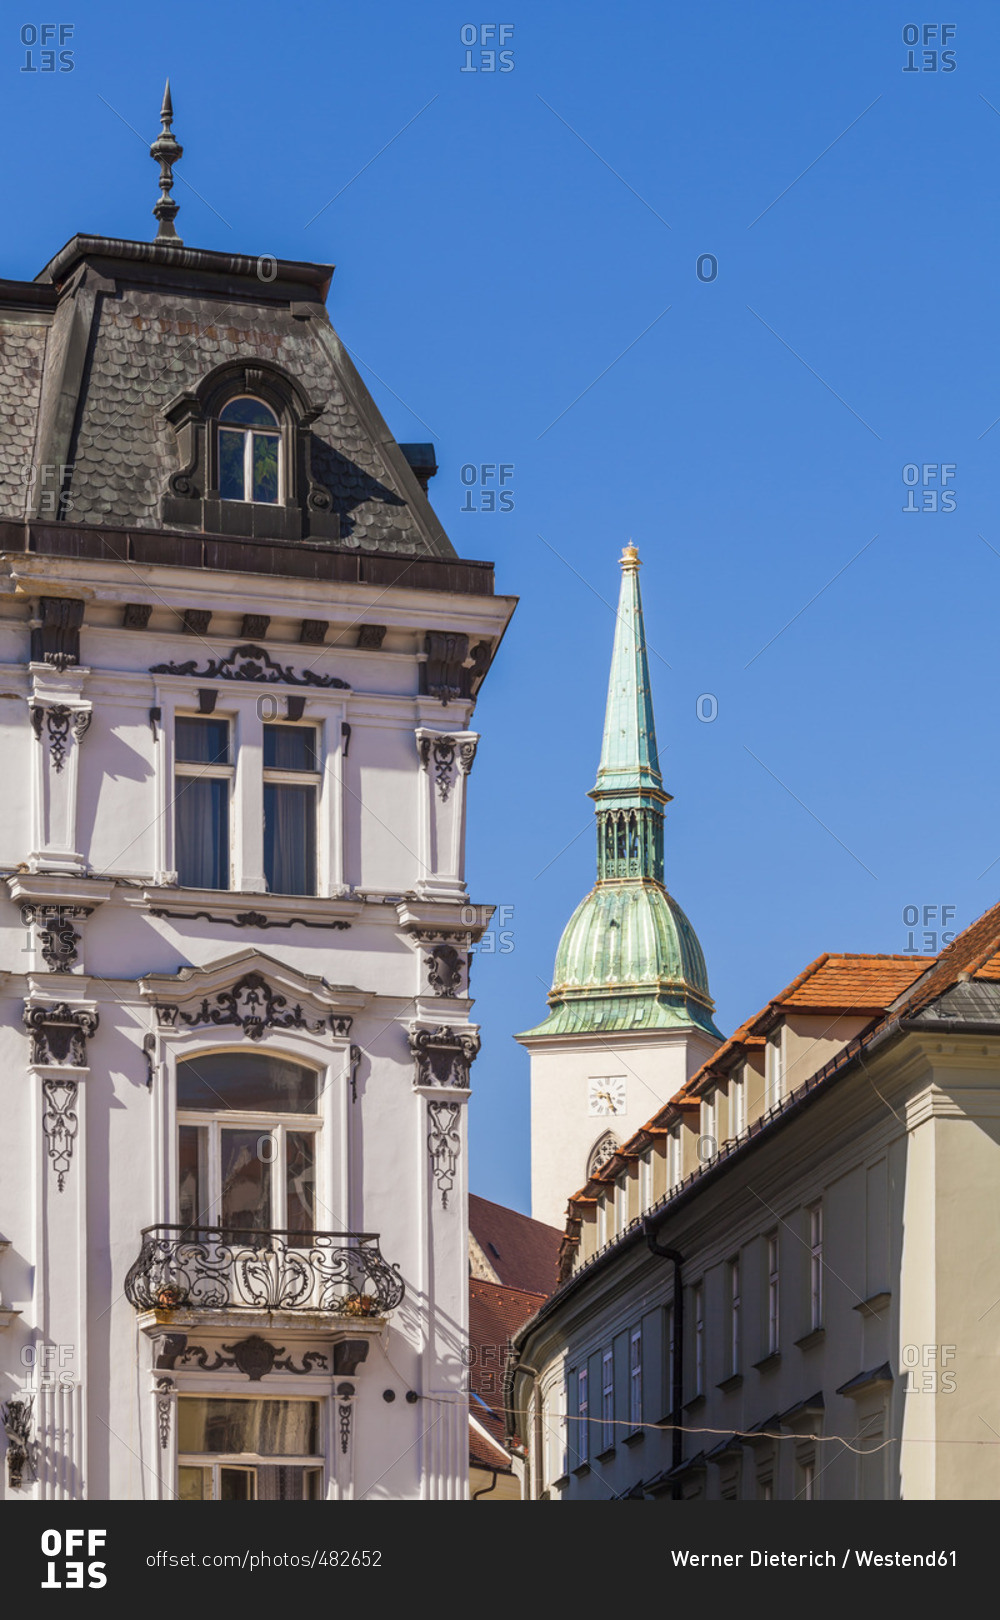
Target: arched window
(247,1138)
(603,1149)
(249,452)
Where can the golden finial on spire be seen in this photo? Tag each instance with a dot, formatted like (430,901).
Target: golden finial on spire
(630,556)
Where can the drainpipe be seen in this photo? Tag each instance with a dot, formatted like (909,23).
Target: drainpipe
(677,1369)
(486,1488)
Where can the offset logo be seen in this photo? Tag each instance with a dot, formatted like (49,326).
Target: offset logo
(64,1567)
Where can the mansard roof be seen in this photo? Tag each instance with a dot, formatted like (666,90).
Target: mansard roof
(113,334)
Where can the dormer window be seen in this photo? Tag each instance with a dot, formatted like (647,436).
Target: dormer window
(249,452)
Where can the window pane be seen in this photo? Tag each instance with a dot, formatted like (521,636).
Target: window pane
(191,1173)
(260,1428)
(231,465)
(246,1181)
(248,1080)
(301,1180)
(201,742)
(194,1484)
(288,1484)
(265,467)
(249,413)
(201,822)
(237,1484)
(290,839)
(290,748)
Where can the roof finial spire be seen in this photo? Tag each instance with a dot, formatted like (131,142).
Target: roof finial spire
(166,150)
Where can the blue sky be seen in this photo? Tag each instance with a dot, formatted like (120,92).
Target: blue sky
(517,277)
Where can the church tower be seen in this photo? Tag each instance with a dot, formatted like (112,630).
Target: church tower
(630,1014)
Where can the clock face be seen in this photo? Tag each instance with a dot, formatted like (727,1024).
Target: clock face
(606,1096)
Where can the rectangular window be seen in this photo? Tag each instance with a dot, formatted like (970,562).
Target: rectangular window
(248,1450)
(635,1378)
(291,788)
(203,773)
(581,1438)
(674,1159)
(773,1298)
(737,1104)
(646,1182)
(607,1400)
(709,1145)
(807,1481)
(602,1220)
(735,1317)
(816,1266)
(621,1204)
(773,1072)
(699,1340)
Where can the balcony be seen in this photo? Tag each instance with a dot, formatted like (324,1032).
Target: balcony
(216,1268)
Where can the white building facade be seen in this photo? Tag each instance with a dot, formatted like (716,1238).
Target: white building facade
(239,663)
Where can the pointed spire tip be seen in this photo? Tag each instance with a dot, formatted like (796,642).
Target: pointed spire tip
(630,557)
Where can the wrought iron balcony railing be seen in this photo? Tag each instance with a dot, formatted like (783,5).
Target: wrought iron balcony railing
(208,1268)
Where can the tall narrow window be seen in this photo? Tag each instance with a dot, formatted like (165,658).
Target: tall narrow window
(709,1145)
(635,1378)
(646,1181)
(249,452)
(602,1220)
(699,1340)
(807,1481)
(735,1317)
(581,1438)
(674,1158)
(203,774)
(621,1204)
(737,1103)
(773,1297)
(774,1078)
(607,1400)
(291,788)
(816,1266)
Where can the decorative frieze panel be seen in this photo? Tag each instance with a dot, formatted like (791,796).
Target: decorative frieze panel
(444,669)
(165,1388)
(252,1006)
(444,1055)
(446,756)
(446,759)
(344,1392)
(445,970)
(60,1123)
(59,1034)
(444,1143)
(249,662)
(255,1357)
(58,720)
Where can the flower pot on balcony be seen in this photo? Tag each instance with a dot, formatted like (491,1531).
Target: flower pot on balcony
(168,1296)
(361,1305)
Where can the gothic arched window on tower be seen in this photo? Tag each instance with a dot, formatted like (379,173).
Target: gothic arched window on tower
(249,452)
(602,1151)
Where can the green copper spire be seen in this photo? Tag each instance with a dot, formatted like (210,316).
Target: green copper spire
(628,958)
(628,755)
(629,791)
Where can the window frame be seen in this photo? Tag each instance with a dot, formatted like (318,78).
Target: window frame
(773,1296)
(737,1103)
(774,1071)
(735,1316)
(194,770)
(247,1460)
(635,1377)
(274,1123)
(279,776)
(698,1318)
(582,1447)
(815,1213)
(607,1400)
(248,433)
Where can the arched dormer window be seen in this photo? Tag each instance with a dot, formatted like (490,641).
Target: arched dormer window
(250,459)
(603,1149)
(245,450)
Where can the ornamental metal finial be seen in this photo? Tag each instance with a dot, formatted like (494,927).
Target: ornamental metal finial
(630,556)
(166,150)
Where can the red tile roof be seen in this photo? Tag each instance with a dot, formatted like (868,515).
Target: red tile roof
(848,982)
(973,951)
(522,1252)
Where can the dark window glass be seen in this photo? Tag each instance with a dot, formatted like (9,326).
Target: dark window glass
(248,413)
(272,1428)
(244,1080)
(190,1154)
(230,465)
(246,1180)
(265,467)
(201,742)
(289,838)
(201,821)
(290,748)
(300,1147)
